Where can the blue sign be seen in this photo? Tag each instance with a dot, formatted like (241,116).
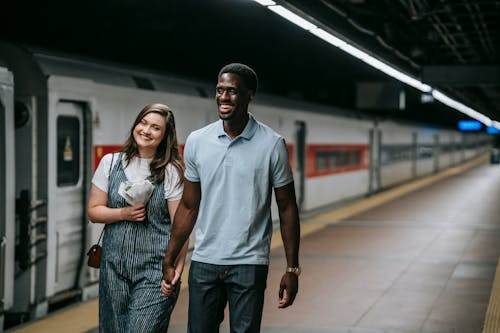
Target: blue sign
(492,130)
(469,125)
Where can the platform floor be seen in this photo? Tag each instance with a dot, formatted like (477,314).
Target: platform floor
(419,258)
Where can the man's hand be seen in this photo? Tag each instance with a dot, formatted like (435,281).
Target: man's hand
(169,282)
(289,286)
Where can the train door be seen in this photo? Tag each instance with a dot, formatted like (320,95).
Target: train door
(300,161)
(375,150)
(7,194)
(66,198)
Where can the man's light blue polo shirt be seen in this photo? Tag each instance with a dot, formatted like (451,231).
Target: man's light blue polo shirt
(236,177)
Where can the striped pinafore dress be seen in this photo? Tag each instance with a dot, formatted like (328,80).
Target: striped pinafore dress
(130,299)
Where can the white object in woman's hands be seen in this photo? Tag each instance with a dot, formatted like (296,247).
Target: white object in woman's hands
(136,192)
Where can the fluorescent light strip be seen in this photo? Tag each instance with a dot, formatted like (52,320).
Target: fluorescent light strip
(363,56)
(292,17)
(374,62)
(266,2)
(461,107)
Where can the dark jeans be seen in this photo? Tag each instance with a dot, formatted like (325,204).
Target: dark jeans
(212,286)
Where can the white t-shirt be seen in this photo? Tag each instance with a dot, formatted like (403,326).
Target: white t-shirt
(138,169)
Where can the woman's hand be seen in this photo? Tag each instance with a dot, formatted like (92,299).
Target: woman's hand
(135,213)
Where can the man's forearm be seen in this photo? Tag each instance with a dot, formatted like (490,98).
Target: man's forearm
(290,234)
(183,225)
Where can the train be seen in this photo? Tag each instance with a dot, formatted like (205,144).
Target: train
(60,114)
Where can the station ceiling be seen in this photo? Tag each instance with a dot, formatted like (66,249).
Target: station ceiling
(451,44)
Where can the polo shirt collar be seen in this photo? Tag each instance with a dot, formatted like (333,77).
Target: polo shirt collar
(248,131)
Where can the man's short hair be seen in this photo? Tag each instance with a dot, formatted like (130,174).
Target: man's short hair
(247,74)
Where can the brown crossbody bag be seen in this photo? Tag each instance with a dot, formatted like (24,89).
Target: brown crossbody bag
(95,254)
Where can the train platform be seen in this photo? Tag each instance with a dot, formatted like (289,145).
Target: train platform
(420,257)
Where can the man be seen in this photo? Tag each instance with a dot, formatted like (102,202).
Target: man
(231,166)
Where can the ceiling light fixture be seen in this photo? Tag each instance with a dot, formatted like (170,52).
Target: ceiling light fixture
(370,60)
(306,24)
(266,2)
(461,107)
(292,17)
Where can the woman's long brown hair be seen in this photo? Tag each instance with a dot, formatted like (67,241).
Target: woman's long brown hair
(166,152)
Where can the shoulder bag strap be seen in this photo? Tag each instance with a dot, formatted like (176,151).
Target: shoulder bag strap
(109,174)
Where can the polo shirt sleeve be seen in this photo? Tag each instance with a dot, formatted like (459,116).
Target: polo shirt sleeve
(191,172)
(281,172)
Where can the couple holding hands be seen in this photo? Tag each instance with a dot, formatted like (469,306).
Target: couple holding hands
(150,201)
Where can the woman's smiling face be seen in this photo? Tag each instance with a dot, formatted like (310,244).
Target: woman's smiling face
(149,133)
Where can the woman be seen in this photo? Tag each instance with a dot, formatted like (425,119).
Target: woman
(136,236)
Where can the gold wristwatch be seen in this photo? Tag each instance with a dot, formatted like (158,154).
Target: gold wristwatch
(294,270)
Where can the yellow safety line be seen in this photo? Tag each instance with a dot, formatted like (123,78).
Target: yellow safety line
(83,317)
(492,319)
(80,318)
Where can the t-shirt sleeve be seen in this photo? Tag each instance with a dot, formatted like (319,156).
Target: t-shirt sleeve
(173,190)
(191,172)
(282,172)
(101,174)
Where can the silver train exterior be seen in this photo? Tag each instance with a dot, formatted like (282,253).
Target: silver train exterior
(7,197)
(66,113)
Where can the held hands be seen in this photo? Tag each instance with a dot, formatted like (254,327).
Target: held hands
(289,286)
(169,282)
(136,213)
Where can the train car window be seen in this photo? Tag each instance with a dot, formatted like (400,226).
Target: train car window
(425,151)
(68,150)
(344,158)
(330,159)
(355,158)
(447,148)
(321,160)
(395,153)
